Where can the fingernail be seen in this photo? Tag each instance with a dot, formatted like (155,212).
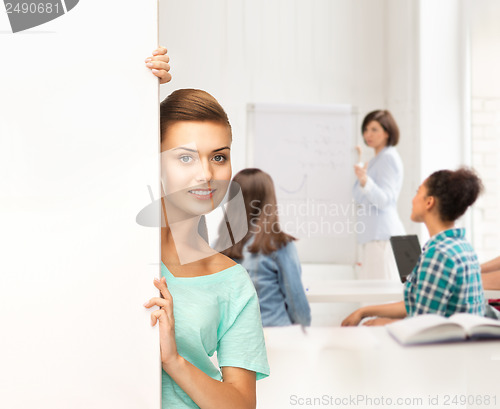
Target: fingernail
(149,64)
(147,60)
(156,280)
(145,304)
(155,52)
(155,71)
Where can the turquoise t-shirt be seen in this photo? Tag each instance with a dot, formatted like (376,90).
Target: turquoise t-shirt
(217,312)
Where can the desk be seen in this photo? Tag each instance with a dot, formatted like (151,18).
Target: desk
(366,291)
(361,363)
(371,291)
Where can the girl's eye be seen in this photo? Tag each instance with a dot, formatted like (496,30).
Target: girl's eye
(219,158)
(185,159)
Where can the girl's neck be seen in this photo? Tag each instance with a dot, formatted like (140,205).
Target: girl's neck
(181,244)
(435,225)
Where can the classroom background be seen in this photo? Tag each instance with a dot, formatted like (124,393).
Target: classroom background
(432,64)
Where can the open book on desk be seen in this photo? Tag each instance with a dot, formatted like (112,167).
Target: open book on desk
(432,328)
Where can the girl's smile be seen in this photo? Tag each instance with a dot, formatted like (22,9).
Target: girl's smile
(202,194)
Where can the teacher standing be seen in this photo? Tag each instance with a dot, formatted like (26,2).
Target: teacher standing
(376,192)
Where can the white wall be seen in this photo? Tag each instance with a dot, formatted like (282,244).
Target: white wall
(78,147)
(485,35)
(442,94)
(402,96)
(441,84)
(485,89)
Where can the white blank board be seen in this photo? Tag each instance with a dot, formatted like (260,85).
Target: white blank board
(78,147)
(308,151)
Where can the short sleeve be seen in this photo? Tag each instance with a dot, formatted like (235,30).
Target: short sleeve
(241,343)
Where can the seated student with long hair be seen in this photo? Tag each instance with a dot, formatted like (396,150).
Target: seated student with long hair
(269,254)
(447,277)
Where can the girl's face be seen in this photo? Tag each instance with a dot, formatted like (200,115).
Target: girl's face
(196,165)
(375,136)
(419,203)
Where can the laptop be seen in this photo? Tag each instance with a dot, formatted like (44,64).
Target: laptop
(406,251)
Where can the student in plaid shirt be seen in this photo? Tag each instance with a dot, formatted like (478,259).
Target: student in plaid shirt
(447,277)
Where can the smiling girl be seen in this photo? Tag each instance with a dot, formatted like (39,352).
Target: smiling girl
(208,303)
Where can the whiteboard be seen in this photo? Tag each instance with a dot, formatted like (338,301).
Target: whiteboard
(78,148)
(309,152)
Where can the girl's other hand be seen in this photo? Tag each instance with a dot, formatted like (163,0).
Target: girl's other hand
(159,65)
(165,317)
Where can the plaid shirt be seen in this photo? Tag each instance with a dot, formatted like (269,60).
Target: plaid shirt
(446,279)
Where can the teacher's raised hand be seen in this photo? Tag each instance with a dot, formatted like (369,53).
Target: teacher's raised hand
(361,173)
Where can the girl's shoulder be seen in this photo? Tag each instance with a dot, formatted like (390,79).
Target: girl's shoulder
(226,269)
(221,262)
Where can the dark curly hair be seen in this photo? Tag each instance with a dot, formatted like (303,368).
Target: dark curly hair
(455,191)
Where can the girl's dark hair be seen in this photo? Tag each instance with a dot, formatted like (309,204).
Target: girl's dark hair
(455,191)
(191,105)
(261,208)
(386,121)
